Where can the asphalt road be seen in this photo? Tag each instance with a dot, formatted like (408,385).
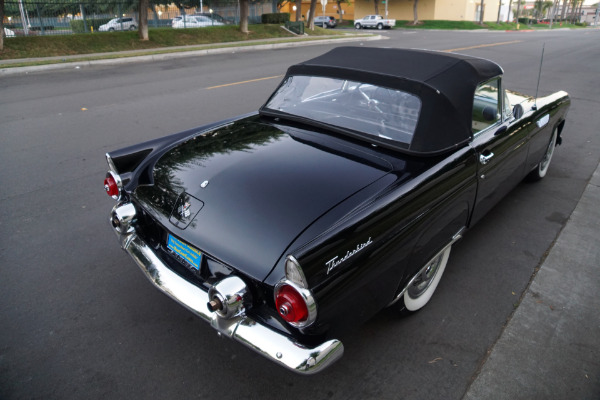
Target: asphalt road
(78,319)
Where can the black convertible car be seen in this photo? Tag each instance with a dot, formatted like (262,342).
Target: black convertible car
(341,196)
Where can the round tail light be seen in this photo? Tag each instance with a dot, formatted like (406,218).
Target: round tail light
(294,304)
(291,305)
(112,185)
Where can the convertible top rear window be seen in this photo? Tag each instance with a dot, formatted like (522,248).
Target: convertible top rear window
(361,107)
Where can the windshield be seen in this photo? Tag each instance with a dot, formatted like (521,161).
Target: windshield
(370,109)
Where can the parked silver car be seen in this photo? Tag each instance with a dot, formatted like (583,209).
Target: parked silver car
(194,21)
(325,21)
(117,24)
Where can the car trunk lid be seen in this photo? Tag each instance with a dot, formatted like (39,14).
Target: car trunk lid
(243,192)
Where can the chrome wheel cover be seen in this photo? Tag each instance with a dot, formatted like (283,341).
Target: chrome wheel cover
(424,278)
(545,163)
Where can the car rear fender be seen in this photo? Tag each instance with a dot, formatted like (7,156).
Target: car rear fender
(357,269)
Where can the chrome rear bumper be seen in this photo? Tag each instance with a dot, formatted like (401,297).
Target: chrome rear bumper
(269,343)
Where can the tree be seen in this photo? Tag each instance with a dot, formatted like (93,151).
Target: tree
(576,17)
(339,6)
(376,3)
(499,8)
(244,13)
(415,16)
(311,15)
(564,10)
(572,7)
(143,19)
(1,25)
(509,10)
(481,13)
(553,12)
(297,7)
(540,7)
(518,13)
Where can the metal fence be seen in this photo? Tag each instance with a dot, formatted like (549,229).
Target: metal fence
(52,17)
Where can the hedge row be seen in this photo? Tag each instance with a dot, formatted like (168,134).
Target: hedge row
(78,27)
(275,18)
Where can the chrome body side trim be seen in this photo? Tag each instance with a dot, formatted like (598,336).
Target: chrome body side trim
(543,121)
(265,341)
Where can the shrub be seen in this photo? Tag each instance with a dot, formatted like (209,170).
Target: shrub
(78,27)
(527,20)
(275,18)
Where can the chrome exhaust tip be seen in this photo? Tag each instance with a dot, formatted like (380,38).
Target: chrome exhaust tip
(229,297)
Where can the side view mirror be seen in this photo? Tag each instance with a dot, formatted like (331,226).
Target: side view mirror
(489,114)
(518,111)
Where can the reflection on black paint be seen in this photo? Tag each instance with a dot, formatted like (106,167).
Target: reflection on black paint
(242,136)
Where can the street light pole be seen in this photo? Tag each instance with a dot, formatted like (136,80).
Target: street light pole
(23,19)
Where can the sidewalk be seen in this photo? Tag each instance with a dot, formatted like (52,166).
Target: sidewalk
(550,348)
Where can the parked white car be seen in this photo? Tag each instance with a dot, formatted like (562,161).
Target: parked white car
(8,33)
(374,21)
(194,21)
(117,24)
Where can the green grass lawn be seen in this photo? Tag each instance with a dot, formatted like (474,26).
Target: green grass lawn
(82,44)
(469,25)
(163,38)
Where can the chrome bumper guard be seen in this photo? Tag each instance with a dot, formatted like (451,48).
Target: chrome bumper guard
(265,341)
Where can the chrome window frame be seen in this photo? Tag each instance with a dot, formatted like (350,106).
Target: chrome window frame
(499,107)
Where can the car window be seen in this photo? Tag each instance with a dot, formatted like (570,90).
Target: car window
(360,107)
(486,106)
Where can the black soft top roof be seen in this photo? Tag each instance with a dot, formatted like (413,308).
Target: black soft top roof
(445,82)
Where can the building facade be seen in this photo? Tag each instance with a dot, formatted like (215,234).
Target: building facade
(453,10)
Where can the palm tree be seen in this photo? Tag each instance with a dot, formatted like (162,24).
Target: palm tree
(415,16)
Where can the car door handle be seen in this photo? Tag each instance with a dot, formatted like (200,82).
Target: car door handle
(484,159)
(501,130)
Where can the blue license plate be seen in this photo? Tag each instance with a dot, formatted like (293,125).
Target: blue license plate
(188,253)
